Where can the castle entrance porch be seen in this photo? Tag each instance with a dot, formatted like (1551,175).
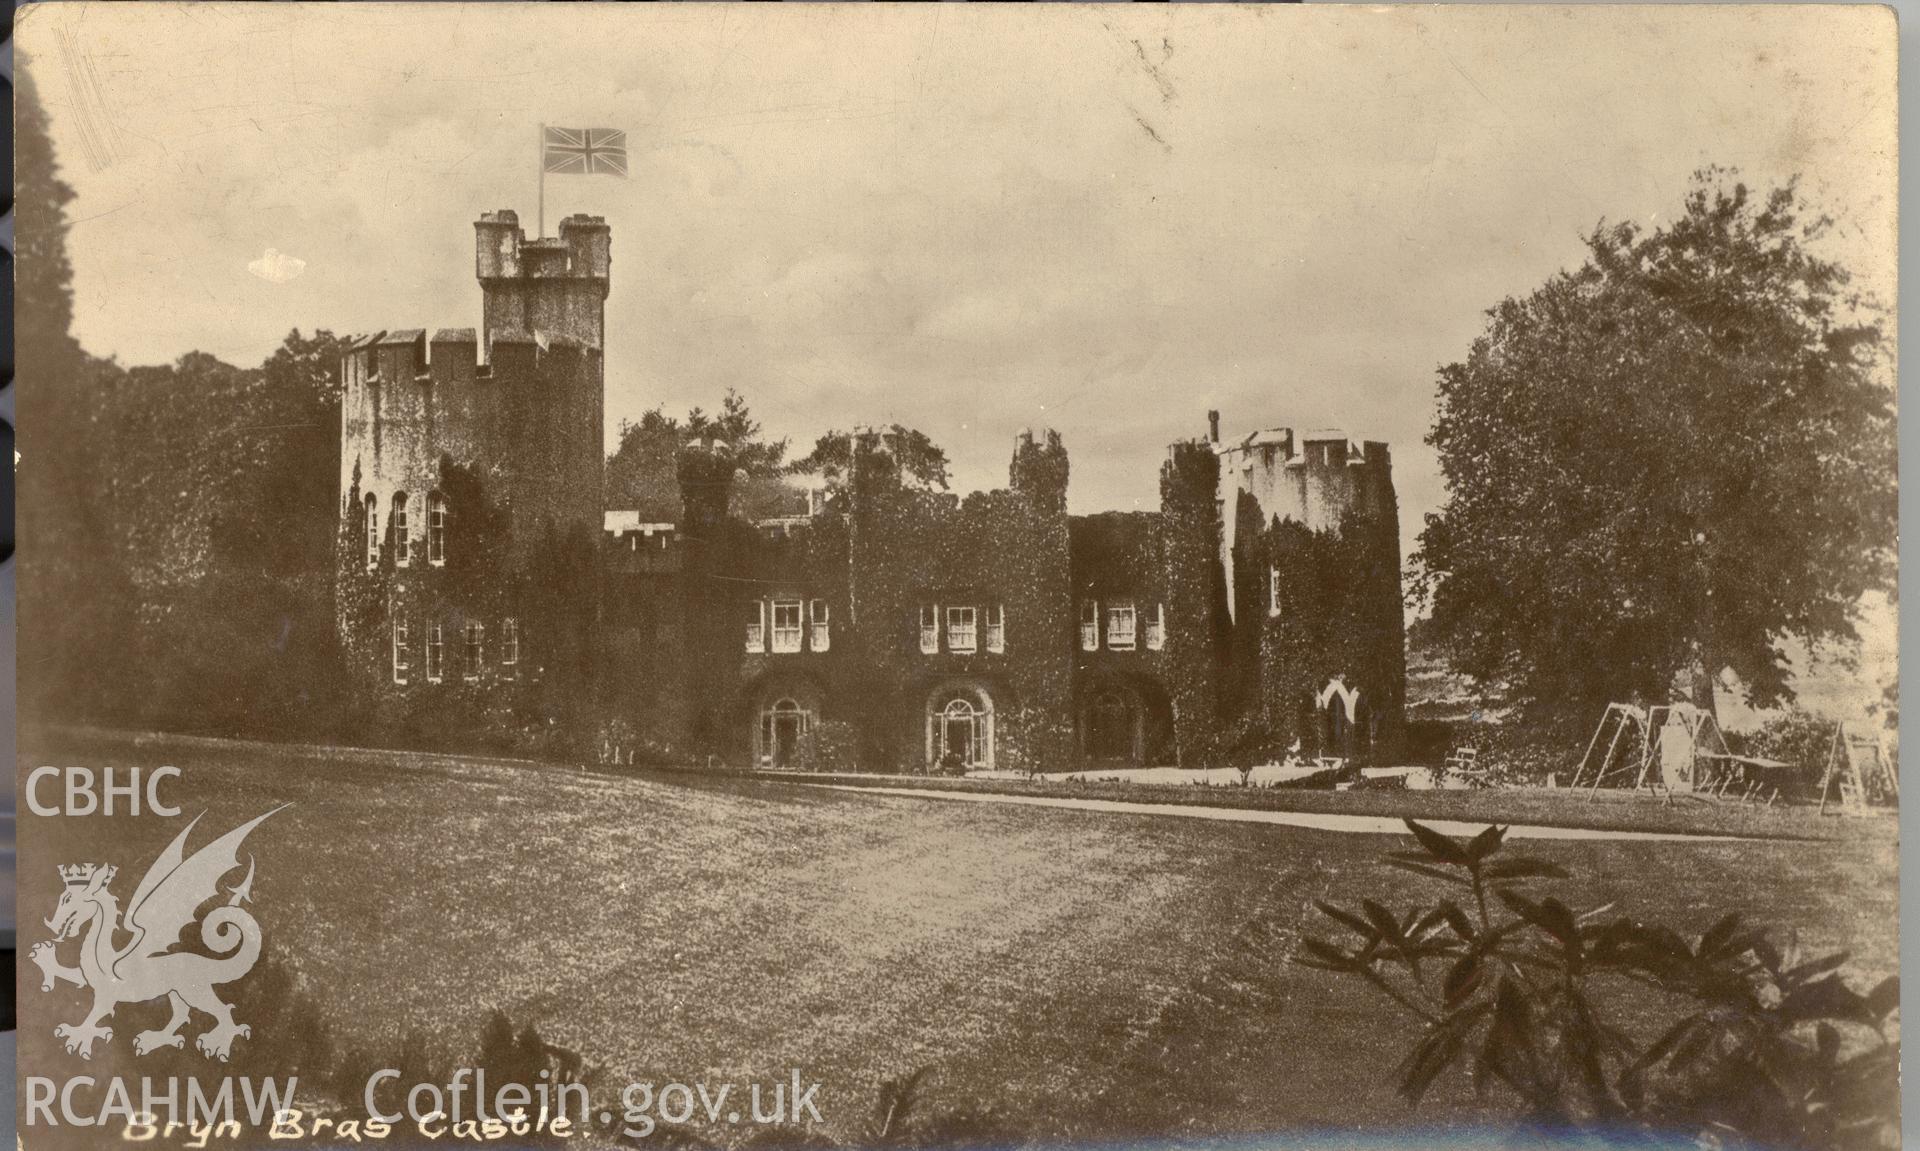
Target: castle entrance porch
(1125,720)
(1113,728)
(959,729)
(781,721)
(782,725)
(1345,727)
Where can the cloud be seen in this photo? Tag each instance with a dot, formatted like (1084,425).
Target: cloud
(277,267)
(897,214)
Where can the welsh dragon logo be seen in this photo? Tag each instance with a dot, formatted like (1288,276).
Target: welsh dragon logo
(146,967)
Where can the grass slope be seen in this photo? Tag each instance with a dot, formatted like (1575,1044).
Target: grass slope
(1106,975)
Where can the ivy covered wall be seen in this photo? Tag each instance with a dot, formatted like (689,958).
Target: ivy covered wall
(1337,621)
(636,643)
(543,701)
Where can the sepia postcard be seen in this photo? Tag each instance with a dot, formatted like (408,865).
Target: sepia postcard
(853,577)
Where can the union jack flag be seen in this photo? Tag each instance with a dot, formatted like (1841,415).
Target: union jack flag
(584,151)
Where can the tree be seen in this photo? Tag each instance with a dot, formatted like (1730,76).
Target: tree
(73,643)
(640,472)
(922,462)
(193,504)
(1664,461)
(224,511)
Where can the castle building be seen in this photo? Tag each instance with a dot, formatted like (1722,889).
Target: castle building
(487,596)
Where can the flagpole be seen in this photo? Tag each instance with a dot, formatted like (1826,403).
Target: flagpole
(542,153)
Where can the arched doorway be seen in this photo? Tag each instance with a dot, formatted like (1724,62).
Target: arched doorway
(1113,727)
(782,724)
(959,729)
(1124,720)
(1341,712)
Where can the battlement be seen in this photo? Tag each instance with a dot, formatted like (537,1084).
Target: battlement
(557,285)
(502,251)
(451,357)
(1316,478)
(1283,447)
(629,531)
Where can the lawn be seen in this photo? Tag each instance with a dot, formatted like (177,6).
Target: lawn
(1108,975)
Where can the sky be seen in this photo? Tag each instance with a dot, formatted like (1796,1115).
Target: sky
(971,220)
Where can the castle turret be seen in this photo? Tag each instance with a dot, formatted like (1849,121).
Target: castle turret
(556,286)
(1289,505)
(472,464)
(1197,624)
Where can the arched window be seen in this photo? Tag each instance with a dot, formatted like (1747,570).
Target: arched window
(436,528)
(373,532)
(402,545)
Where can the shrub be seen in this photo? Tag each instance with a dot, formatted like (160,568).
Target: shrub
(834,745)
(1793,737)
(1518,753)
(1755,1042)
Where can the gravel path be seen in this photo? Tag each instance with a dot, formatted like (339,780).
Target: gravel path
(1320,821)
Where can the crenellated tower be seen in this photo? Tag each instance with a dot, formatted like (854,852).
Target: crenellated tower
(552,284)
(1309,547)
(471,472)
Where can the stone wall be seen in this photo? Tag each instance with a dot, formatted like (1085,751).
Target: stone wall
(496,438)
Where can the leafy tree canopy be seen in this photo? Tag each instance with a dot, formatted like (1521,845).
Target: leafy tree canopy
(640,472)
(922,462)
(1665,460)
